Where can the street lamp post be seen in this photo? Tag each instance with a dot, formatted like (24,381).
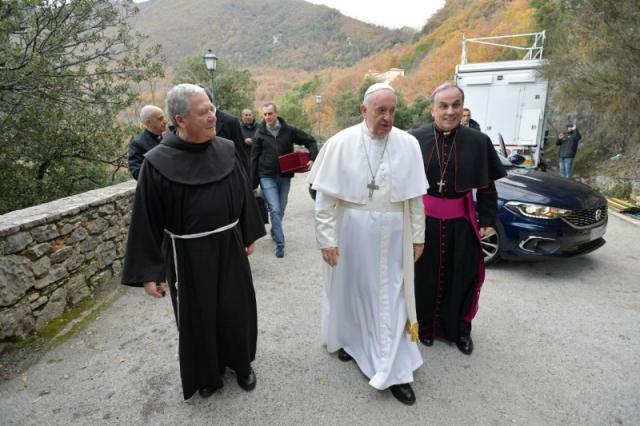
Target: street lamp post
(210,61)
(318,102)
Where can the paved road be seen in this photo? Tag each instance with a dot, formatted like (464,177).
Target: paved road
(556,343)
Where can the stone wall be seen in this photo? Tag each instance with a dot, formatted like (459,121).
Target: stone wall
(56,254)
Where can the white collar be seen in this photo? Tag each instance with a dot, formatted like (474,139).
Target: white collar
(369,133)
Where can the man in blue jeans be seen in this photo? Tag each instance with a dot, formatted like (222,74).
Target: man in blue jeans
(273,138)
(568,147)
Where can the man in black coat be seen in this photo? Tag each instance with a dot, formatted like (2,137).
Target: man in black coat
(248,127)
(468,121)
(155,124)
(274,138)
(228,127)
(449,275)
(568,147)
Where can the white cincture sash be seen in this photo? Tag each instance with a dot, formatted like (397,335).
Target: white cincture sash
(193,237)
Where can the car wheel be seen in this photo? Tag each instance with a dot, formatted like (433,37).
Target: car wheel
(491,248)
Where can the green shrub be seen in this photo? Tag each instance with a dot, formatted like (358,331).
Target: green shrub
(620,190)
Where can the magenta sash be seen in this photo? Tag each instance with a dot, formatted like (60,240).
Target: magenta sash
(452,208)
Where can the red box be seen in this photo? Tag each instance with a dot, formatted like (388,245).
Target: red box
(294,162)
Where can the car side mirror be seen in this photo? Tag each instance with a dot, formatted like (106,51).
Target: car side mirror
(517,159)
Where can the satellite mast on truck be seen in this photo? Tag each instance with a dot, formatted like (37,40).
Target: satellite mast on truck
(508,98)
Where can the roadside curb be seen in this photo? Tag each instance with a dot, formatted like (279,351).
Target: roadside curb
(618,206)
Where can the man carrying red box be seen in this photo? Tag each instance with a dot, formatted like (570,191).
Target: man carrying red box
(275,138)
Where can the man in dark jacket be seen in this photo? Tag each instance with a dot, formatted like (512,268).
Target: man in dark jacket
(155,124)
(248,127)
(568,147)
(273,138)
(468,121)
(228,127)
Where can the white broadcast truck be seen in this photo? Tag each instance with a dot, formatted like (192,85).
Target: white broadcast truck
(508,98)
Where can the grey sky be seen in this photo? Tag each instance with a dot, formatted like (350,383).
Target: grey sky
(392,14)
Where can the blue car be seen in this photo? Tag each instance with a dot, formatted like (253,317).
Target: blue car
(542,215)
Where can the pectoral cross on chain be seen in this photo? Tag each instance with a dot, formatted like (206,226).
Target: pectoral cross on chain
(440,184)
(372,187)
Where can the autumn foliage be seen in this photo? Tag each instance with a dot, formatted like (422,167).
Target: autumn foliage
(428,61)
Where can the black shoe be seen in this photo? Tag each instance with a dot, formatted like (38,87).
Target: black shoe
(206,391)
(427,340)
(247,383)
(465,344)
(280,252)
(343,355)
(403,393)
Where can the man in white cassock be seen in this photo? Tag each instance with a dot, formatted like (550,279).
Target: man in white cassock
(370,225)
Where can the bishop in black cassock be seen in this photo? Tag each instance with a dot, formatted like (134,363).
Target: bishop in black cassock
(194,221)
(450,273)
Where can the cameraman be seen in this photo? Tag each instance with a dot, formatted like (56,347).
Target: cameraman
(568,147)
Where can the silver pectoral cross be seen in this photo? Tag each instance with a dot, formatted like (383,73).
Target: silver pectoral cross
(440,184)
(372,187)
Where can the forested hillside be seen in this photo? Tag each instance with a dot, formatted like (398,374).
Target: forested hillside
(280,33)
(430,58)
(594,65)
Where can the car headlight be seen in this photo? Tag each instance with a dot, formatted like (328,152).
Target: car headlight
(536,210)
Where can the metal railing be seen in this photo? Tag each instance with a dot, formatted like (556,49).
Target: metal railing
(534,51)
